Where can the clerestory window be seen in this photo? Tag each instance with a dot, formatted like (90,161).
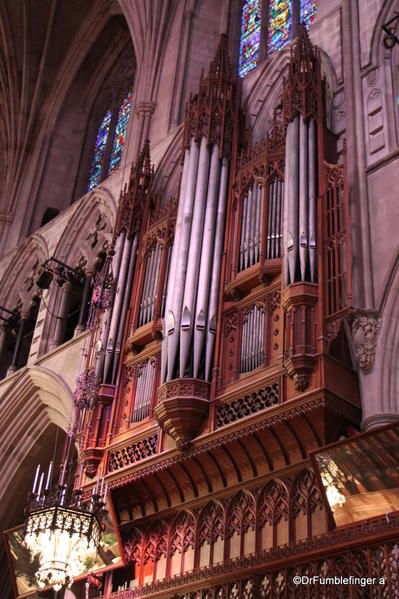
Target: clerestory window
(268,25)
(110,142)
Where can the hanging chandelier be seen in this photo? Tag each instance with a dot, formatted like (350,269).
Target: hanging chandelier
(60,529)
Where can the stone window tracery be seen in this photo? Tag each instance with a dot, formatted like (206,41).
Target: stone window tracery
(110,142)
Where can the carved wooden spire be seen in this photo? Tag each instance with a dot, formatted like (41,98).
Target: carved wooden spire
(211,112)
(135,199)
(302,90)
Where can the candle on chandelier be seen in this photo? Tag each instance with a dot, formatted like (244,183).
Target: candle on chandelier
(40,484)
(36,477)
(49,475)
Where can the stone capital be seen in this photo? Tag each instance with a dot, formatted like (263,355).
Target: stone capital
(366,326)
(145,108)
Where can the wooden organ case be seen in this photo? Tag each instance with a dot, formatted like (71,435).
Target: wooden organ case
(218,402)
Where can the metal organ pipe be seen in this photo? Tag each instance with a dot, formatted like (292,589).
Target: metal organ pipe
(247,229)
(299,228)
(194,256)
(106,321)
(278,239)
(116,308)
(125,305)
(216,267)
(303,196)
(172,265)
(202,302)
(243,229)
(292,233)
(174,313)
(312,198)
(252,340)
(259,202)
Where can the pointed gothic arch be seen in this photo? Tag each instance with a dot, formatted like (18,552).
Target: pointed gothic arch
(34,406)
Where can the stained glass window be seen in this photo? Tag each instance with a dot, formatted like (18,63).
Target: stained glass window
(308,12)
(120,134)
(99,151)
(250,36)
(280,18)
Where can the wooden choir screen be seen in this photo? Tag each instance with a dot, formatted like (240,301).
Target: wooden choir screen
(251,337)
(281,512)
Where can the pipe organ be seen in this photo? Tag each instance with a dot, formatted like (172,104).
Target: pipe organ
(237,287)
(252,339)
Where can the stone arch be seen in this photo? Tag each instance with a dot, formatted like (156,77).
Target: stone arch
(89,228)
(34,399)
(17,281)
(85,238)
(35,406)
(382,83)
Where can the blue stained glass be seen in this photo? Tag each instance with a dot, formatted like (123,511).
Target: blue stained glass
(250,36)
(280,18)
(308,12)
(99,151)
(120,134)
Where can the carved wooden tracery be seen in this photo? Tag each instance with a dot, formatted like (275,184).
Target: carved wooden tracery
(277,502)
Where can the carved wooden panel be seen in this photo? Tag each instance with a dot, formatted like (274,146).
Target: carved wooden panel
(229,412)
(132,453)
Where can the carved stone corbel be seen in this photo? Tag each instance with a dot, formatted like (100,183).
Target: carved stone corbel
(366,326)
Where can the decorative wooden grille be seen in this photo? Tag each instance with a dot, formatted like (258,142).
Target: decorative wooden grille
(132,453)
(337,251)
(261,399)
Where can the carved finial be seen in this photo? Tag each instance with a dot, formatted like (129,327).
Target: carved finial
(211,112)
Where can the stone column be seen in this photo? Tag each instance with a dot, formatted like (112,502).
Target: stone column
(25,316)
(62,315)
(81,326)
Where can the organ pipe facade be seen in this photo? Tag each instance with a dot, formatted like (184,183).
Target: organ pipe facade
(224,362)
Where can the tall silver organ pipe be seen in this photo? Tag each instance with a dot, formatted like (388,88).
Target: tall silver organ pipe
(125,306)
(292,232)
(252,340)
(174,312)
(250,237)
(143,393)
(106,318)
(150,285)
(303,197)
(299,225)
(194,270)
(204,280)
(194,255)
(216,267)
(116,308)
(274,220)
(312,199)
(172,267)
